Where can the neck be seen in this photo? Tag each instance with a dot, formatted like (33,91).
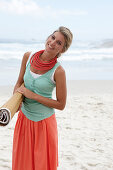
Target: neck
(45,56)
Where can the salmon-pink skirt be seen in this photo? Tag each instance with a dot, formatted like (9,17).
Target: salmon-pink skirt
(35,144)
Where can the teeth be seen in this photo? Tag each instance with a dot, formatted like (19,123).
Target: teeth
(50,46)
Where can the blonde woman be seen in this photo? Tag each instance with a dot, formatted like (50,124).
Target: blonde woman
(35,142)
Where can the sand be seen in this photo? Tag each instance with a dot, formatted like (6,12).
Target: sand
(85,127)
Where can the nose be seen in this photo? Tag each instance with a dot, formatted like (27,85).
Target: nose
(53,43)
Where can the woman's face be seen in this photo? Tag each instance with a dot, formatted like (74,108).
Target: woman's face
(55,43)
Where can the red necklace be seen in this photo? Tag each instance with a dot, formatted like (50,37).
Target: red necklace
(39,65)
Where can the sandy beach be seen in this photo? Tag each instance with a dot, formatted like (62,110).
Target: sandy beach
(85,127)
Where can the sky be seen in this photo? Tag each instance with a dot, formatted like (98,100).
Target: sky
(36,19)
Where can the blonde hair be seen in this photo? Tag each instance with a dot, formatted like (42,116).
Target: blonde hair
(68,36)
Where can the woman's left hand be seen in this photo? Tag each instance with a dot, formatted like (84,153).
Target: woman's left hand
(26,92)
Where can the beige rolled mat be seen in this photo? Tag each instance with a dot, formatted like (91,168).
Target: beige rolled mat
(8,110)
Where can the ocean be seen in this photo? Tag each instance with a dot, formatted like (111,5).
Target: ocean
(85,60)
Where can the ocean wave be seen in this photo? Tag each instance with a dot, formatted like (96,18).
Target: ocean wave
(104,44)
(75,56)
(21,41)
(78,51)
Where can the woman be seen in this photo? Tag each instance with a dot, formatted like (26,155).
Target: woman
(35,143)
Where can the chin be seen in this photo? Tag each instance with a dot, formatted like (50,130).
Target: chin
(49,50)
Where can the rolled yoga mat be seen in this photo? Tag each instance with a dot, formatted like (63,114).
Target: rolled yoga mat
(8,110)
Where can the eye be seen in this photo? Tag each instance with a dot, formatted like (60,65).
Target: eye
(59,43)
(53,37)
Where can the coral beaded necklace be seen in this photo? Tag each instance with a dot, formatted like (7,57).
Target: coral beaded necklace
(39,65)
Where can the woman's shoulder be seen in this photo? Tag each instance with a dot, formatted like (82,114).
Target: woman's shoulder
(26,55)
(25,58)
(59,71)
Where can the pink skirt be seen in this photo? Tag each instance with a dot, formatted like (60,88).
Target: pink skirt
(35,144)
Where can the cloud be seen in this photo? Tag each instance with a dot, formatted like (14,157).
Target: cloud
(20,7)
(31,8)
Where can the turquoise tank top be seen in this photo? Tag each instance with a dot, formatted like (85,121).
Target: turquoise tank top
(42,85)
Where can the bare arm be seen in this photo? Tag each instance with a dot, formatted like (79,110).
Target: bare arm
(61,92)
(22,71)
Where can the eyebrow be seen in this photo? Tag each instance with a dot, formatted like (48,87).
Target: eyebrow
(57,40)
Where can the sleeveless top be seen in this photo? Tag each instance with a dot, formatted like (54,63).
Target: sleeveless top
(42,85)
